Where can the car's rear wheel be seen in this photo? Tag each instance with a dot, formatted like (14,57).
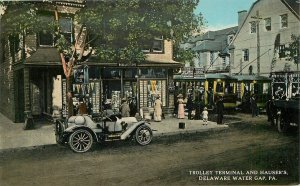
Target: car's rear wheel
(282,125)
(81,140)
(143,135)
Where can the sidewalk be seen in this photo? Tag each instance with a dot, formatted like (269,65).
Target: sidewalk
(13,136)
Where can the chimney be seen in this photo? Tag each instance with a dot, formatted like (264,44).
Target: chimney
(242,16)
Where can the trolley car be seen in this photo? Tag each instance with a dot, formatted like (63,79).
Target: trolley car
(249,85)
(235,90)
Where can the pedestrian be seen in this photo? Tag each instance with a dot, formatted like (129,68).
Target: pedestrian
(157,109)
(190,106)
(70,105)
(220,109)
(253,105)
(82,107)
(205,116)
(180,107)
(199,105)
(132,106)
(210,98)
(124,109)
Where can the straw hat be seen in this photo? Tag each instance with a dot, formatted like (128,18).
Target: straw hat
(180,96)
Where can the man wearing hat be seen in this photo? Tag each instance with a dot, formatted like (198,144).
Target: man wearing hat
(180,106)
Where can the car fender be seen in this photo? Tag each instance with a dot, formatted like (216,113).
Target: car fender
(132,128)
(76,127)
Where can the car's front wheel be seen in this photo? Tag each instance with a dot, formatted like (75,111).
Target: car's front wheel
(143,135)
(81,140)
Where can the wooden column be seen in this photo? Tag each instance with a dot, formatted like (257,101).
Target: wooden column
(27,105)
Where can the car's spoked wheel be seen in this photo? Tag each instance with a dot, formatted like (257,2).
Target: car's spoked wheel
(143,135)
(281,124)
(81,141)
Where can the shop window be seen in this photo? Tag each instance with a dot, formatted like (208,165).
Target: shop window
(153,73)
(111,73)
(149,89)
(66,28)
(246,54)
(284,21)
(219,87)
(45,37)
(252,27)
(268,24)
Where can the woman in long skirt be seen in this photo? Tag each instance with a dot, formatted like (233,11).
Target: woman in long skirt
(157,109)
(180,107)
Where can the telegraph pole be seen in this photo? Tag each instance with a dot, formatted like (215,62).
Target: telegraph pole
(258,40)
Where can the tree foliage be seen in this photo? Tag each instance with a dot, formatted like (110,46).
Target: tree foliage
(293,49)
(117,29)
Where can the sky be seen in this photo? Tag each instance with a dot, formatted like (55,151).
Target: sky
(221,14)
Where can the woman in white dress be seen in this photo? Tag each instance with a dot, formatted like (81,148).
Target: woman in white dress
(157,109)
(180,107)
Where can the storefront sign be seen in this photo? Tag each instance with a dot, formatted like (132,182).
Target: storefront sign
(191,72)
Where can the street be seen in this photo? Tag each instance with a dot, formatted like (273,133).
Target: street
(251,147)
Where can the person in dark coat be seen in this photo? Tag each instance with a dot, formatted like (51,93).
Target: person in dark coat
(253,106)
(220,109)
(199,106)
(190,106)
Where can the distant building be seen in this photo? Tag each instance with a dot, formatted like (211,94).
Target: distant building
(277,20)
(212,50)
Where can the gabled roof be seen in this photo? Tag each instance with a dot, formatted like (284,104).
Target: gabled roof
(215,40)
(293,6)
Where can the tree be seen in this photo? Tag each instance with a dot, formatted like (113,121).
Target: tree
(293,50)
(116,31)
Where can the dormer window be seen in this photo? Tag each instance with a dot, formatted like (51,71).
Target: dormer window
(230,38)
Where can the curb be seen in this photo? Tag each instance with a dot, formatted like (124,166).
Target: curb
(183,131)
(155,135)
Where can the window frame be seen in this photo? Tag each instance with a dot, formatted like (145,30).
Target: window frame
(230,38)
(246,57)
(253,27)
(268,25)
(281,51)
(151,46)
(71,28)
(45,32)
(284,24)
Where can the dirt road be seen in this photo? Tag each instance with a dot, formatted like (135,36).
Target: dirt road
(251,145)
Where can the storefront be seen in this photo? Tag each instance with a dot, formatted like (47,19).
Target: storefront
(109,83)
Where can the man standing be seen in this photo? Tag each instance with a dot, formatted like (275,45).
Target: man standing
(220,108)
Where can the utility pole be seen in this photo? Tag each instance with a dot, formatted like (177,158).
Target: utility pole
(258,40)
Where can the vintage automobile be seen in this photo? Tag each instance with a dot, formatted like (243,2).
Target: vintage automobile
(80,132)
(285,113)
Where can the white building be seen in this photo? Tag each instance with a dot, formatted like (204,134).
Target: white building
(273,22)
